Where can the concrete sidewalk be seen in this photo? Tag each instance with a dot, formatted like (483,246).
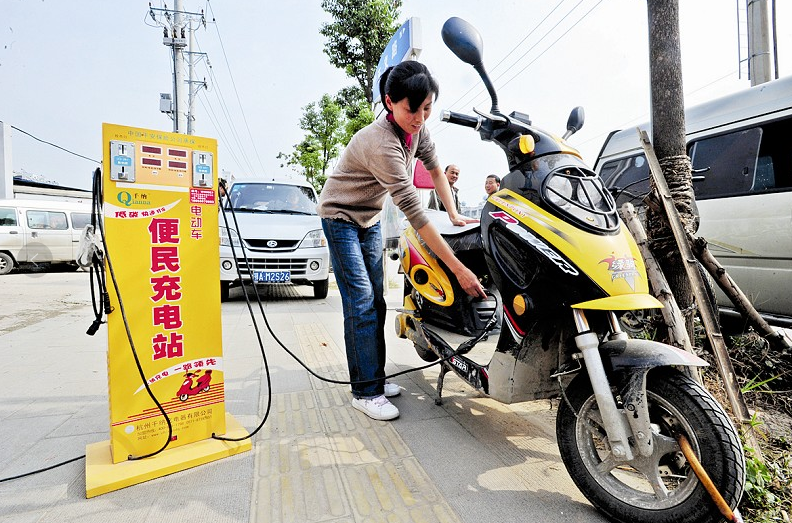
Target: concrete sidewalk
(316,458)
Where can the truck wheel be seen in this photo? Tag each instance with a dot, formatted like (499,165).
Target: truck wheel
(320,289)
(6,263)
(224,290)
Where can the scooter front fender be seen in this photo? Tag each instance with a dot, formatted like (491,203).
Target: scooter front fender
(647,354)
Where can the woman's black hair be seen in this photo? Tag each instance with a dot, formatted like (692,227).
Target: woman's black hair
(411,80)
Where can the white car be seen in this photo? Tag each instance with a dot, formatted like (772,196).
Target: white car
(273,236)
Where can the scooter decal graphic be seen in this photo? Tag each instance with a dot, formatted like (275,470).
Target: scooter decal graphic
(535,242)
(622,268)
(525,212)
(517,333)
(186,366)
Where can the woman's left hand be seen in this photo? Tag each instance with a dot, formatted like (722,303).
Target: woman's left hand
(461,220)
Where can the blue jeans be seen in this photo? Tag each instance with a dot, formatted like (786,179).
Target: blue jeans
(356,254)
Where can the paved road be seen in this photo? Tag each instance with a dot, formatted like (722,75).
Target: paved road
(471,460)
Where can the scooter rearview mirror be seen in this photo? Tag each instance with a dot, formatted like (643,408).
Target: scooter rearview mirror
(575,121)
(464,41)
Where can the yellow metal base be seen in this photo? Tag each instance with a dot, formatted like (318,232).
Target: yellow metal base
(102,476)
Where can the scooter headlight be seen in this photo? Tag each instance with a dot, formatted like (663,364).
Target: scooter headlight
(315,238)
(581,196)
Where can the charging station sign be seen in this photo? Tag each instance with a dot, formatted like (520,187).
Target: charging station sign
(161,228)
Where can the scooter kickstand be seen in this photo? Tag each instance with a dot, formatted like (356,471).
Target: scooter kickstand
(439,399)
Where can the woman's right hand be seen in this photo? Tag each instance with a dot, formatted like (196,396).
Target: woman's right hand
(469,282)
(465,276)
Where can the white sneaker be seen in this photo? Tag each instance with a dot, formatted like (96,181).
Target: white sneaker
(378,408)
(392,389)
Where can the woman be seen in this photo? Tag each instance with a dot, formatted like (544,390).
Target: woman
(377,161)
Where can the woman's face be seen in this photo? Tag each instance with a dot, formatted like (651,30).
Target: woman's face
(410,122)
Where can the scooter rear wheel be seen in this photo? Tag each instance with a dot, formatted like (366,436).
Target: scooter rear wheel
(661,488)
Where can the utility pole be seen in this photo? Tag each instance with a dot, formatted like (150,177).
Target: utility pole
(179,92)
(193,85)
(179,22)
(6,168)
(759,69)
(191,69)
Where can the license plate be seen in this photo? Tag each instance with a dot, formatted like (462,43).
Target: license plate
(272,276)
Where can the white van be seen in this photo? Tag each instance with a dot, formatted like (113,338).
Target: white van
(742,177)
(40,231)
(281,233)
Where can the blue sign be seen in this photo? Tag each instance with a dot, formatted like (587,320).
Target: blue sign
(124,161)
(202,168)
(405,42)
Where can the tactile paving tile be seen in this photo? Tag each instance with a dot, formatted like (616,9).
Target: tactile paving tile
(319,460)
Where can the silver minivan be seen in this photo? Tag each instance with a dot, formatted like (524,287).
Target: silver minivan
(40,232)
(742,176)
(276,222)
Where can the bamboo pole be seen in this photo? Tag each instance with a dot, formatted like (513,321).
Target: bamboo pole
(672,315)
(737,297)
(708,315)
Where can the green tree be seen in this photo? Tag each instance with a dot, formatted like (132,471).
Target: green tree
(357,36)
(357,111)
(323,123)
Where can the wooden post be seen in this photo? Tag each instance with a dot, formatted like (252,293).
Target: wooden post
(708,315)
(672,316)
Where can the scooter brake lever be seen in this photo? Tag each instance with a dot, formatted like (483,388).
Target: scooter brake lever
(493,117)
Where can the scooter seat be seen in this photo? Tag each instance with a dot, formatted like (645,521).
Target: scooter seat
(447,229)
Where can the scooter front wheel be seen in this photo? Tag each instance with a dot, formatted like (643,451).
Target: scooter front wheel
(183,397)
(661,488)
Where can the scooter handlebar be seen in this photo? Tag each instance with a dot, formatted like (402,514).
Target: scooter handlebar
(473,122)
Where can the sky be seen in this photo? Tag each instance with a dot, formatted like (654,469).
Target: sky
(66,67)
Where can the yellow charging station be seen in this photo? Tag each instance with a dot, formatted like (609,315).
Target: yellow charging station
(161,228)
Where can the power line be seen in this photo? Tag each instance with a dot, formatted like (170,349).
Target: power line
(216,124)
(541,39)
(476,84)
(54,145)
(233,83)
(163,14)
(227,114)
(554,42)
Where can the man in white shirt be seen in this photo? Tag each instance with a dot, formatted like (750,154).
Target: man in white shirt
(452,173)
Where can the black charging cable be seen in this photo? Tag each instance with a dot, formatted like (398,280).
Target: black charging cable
(96,220)
(97,191)
(464,347)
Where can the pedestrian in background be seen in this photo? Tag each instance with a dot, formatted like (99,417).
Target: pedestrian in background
(376,162)
(452,175)
(491,184)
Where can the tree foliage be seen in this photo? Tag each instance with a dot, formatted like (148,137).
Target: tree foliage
(323,123)
(357,36)
(357,111)
(355,40)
